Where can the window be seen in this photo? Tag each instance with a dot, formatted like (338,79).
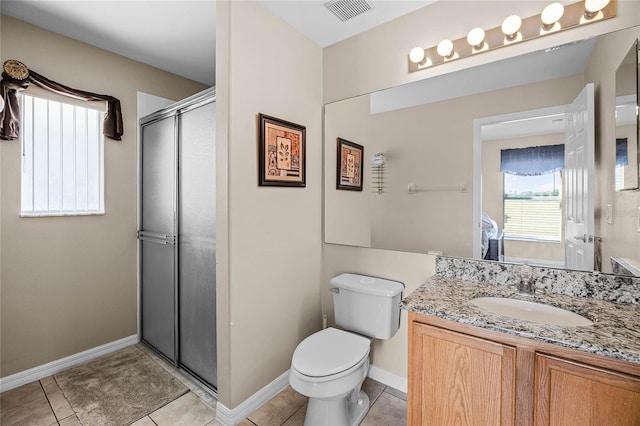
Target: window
(532,206)
(619,178)
(622,160)
(62,159)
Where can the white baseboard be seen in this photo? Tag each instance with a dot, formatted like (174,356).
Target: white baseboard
(388,379)
(231,417)
(53,367)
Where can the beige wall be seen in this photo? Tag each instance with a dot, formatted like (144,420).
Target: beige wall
(493,190)
(69,283)
(412,269)
(621,238)
(270,283)
(377,59)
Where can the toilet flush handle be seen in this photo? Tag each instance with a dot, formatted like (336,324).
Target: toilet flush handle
(334,290)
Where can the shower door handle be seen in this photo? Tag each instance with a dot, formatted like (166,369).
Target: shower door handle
(153,237)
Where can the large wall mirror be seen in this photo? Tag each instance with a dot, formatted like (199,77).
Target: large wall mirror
(446,142)
(627,121)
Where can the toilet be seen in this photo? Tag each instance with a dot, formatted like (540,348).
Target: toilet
(329,366)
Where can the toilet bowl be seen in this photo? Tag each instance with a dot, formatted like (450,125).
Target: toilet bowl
(329,368)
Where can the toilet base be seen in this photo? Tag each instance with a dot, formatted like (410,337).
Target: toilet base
(340,411)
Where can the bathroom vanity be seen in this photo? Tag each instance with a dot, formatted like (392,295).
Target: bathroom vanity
(468,365)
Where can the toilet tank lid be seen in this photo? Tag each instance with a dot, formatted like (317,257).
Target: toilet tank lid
(366,284)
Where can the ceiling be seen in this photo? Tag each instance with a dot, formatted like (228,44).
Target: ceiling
(179,36)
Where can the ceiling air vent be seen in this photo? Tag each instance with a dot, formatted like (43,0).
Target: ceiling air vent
(348,9)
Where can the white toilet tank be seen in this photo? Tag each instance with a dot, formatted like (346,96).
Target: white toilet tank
(367,305)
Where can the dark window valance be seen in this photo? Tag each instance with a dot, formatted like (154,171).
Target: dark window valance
(622,152)
(533,160)
(10,116)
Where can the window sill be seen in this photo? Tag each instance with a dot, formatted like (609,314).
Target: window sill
(531,239)
(69,214)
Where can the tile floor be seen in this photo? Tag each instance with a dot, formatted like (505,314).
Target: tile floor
(43,403)
(388,408)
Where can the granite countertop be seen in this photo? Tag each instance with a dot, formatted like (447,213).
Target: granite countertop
(615,331)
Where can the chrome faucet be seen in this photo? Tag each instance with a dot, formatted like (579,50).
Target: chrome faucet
(526,284)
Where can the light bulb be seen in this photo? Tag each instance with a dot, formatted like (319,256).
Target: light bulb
(445,48)
(552,14)
(476,37)
(592,7)
(416,55)
(511,25)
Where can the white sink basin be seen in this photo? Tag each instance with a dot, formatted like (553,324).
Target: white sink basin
(531,311)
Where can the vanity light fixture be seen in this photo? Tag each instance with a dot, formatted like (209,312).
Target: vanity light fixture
(510,27)
(475,38)
(445,49)
(554,17)
(551,15)
(592,7)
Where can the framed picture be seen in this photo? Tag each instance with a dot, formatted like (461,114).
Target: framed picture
(282,153)
(349,165)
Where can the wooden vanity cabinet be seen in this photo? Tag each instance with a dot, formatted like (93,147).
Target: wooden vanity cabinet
(465,375)
(461,380)
(569,393)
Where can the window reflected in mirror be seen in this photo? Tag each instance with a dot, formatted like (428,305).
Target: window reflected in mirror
(533,207)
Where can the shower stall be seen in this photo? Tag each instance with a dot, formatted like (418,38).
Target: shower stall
(177,234)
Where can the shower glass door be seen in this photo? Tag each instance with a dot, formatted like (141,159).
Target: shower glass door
(157,235)
(197,243)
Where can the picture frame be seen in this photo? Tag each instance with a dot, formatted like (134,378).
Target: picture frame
(349,162)
(282,152)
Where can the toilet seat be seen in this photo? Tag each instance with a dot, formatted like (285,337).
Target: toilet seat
(329,352)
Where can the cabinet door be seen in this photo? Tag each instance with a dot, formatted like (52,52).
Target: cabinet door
(459,379)
(568,393)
